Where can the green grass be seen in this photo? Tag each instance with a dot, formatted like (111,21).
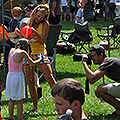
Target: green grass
(66,66)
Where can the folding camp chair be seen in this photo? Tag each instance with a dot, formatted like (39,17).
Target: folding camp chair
(114,32)
(53,36)
(80,37)
(102,33)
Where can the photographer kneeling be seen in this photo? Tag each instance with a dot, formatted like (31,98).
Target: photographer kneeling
(111,68)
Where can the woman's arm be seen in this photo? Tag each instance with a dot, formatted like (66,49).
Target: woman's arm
(42,38)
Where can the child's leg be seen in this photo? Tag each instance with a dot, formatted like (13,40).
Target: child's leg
(11,108)
(26,93)
(19,109)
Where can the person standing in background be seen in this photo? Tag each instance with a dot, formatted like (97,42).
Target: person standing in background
(83,6)
(72,10)
(79,15)
(112,5)
(55,11)
(64,8)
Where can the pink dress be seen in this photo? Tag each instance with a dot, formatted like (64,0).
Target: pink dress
(15,82)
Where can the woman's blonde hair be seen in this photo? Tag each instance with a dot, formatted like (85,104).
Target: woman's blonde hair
(42,8)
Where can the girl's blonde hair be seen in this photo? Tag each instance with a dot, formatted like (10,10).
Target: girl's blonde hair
(42,8)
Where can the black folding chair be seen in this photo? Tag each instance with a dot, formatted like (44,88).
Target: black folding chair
(114,32)
(80,37)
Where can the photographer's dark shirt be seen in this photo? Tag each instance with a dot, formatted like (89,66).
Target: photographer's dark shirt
(111,66)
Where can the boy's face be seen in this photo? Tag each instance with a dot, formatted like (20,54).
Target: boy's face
(61,105)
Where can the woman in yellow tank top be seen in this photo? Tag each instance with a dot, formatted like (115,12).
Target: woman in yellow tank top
(40,26)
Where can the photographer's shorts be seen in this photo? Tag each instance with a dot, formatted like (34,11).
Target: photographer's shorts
(114,89)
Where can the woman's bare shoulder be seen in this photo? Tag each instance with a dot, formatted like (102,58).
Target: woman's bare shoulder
(46,24)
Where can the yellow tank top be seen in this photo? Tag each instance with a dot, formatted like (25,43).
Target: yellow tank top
(37,47)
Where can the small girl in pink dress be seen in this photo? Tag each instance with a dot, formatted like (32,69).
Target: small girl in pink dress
(15,82)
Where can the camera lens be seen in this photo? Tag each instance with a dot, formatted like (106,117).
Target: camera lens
(77,57)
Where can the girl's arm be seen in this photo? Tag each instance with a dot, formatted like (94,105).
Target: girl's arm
(29,59)
(42,38)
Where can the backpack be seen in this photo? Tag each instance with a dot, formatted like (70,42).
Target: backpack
(65,48)
(89,11)
(5,33)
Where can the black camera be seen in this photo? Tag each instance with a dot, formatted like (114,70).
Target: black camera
(78,57)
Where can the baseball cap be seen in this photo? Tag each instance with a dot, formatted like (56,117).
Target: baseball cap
(97,47)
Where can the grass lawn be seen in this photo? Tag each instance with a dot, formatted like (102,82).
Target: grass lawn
(65,65)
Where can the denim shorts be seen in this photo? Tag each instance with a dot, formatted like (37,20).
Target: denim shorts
(114,89)
(64,9)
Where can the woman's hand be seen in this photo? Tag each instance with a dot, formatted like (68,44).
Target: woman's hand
(33,29)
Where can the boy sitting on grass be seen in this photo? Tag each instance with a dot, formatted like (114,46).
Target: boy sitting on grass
(69,94)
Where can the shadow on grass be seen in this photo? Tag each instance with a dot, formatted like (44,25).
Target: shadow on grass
(32,115)
(6,102)
(61,75)
(101,117)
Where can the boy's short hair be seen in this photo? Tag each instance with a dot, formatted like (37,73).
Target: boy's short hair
(16,11)
(69,89)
